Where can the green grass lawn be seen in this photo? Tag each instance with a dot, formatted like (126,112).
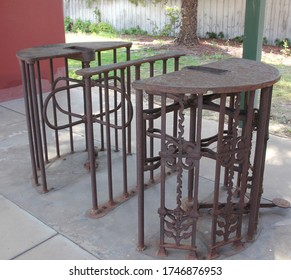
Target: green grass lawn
(107,58)
(281,89)
(281,102)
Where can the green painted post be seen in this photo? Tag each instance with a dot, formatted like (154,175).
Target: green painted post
(253,32)
(254,27)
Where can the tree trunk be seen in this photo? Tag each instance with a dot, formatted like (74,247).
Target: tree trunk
(188,30)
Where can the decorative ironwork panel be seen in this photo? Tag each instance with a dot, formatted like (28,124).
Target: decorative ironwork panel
(178,154)
(233,153)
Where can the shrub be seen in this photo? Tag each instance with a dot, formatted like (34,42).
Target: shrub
(68,24)
(265,41)
(106,27)
(220,35)
(211,35)
(94,28)
(77,26)
(282,43)
(172,21)
(86,26)
(239,39)
(286,51)
(81,26)
(134,31)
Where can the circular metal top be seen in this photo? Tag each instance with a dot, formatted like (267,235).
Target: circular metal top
(66,50)
(224,76)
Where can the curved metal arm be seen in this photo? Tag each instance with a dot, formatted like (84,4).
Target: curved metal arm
(97,83)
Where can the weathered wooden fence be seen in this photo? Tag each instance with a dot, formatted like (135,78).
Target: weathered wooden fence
(216,16)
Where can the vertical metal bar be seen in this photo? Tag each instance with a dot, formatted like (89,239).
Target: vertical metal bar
(140,167)
(40,93)
(175,113)
(137,72)
(217,175)
(54,109)
(229,132)
(90,141)
(108,139)
(197,141)
(123,131)
(86,65)
(259,160)
(192,136)
(175,123)
(69,106)
(162,209)
(152,72)
(176,63)
(151,122)
(29,122)
(164,66)
(32,116)
(245,102)
(254,29)
(137,77)
(247,136)
(115,104)
(198,136)
(128,72)
(101,106)
(37,127)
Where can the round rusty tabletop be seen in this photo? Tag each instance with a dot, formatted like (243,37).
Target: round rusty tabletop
(224,76)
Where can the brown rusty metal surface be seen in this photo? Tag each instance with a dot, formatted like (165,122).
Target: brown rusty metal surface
(221,87)
(275,202)
(281,203)
(238,75)
(69,50)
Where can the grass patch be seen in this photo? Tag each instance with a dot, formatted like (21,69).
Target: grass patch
(207,53)
(107,58)
(281,89)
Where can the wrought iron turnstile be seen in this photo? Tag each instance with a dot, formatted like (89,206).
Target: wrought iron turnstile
(240,141)
(112,110)
(38,63)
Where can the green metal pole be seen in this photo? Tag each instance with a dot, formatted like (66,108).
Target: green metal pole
(253,32)
(254,27)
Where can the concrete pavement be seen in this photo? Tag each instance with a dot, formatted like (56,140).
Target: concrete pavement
(55,225)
